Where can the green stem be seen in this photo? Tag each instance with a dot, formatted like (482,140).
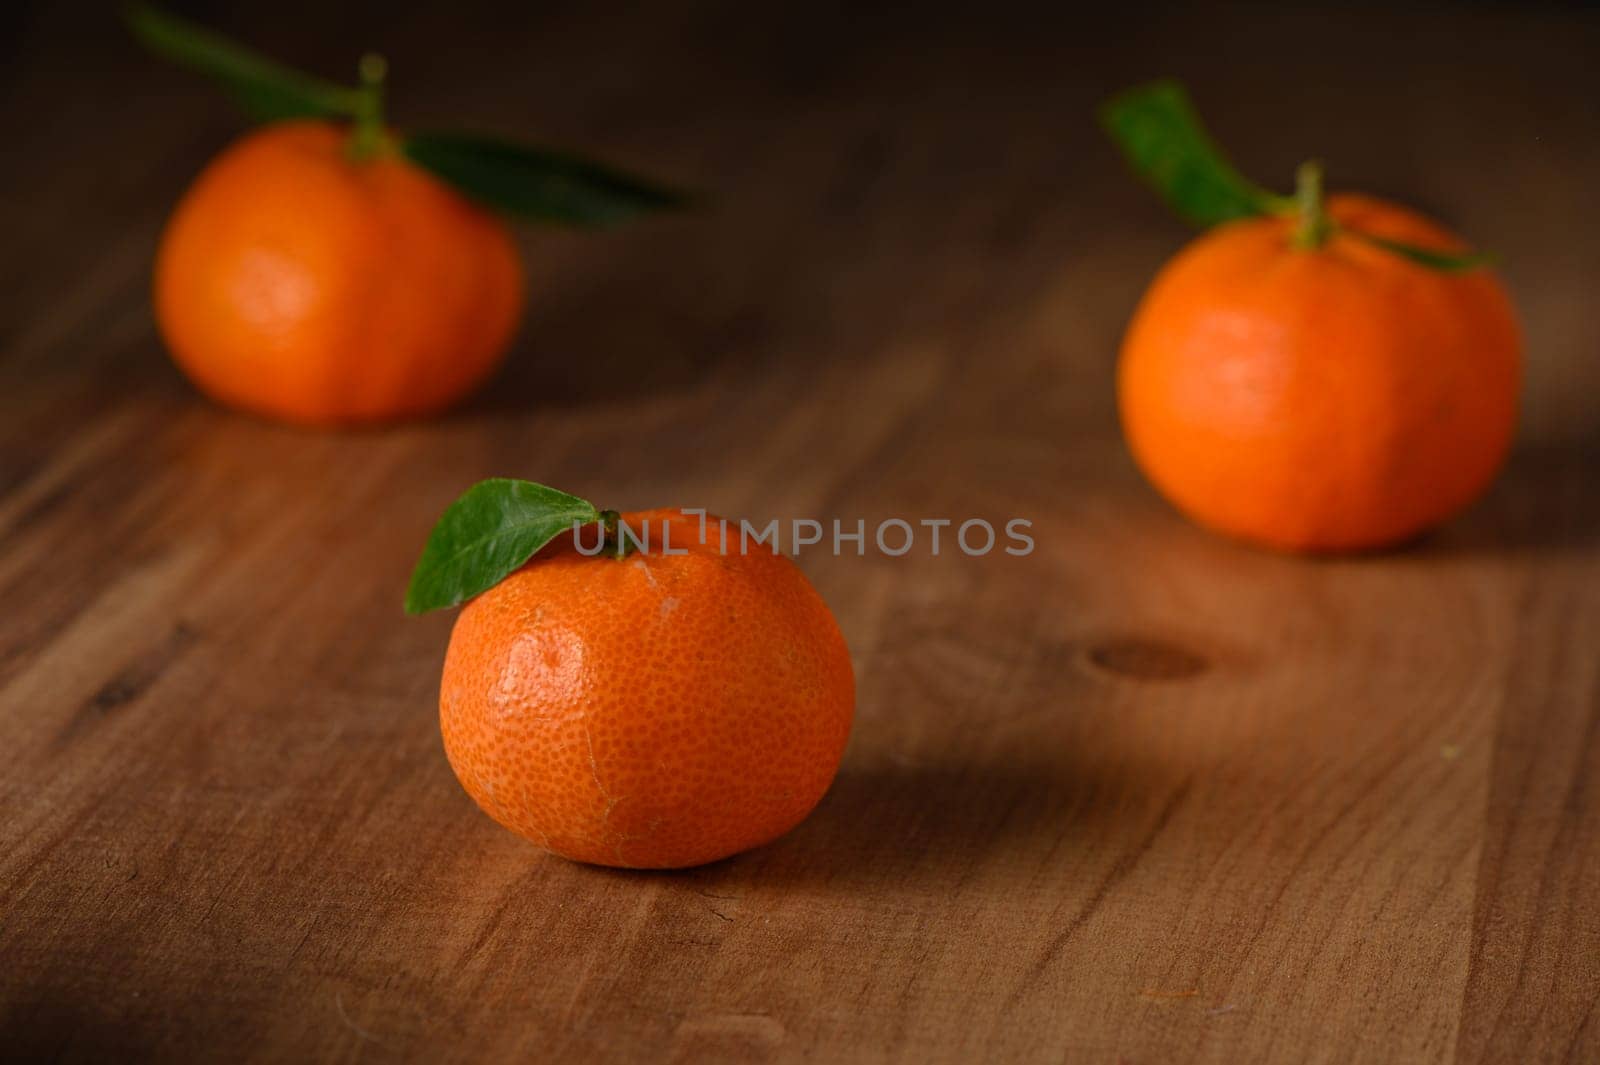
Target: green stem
(367,139)
(617,545)
(1314,227)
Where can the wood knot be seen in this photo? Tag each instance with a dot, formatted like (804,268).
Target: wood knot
(1145,659)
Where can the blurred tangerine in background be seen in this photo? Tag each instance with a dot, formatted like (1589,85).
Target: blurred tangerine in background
(298,282)
(328,270)
(1310,374)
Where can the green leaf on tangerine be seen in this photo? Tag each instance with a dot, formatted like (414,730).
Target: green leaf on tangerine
(1164,141)
(1445,261)
(537,184)
(267,90)
(487,534)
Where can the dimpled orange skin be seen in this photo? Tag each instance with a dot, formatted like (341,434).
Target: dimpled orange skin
(652,712)
(297,283)
(1336,399)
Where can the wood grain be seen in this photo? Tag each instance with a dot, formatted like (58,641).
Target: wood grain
(1142,796)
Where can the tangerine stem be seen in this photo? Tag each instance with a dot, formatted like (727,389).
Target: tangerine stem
(367,138)
(615,540)
(1314,226)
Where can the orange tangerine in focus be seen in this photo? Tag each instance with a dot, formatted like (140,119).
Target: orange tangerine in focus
(652,711)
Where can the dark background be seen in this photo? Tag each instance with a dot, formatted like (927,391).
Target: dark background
(1482,114)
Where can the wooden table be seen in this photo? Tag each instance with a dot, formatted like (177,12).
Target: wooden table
(1144,796)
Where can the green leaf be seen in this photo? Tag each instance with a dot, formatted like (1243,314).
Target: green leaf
(1165,143)
(536,184)
(1434,259)
(267,90)
(487,534)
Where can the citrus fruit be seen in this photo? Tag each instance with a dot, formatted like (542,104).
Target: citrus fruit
(300,282)
(657,710)
(1312,373)
(1329,397)
(329,271)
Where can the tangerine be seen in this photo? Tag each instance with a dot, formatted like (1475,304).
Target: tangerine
(1329,398)
(660,710)
(297,281)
